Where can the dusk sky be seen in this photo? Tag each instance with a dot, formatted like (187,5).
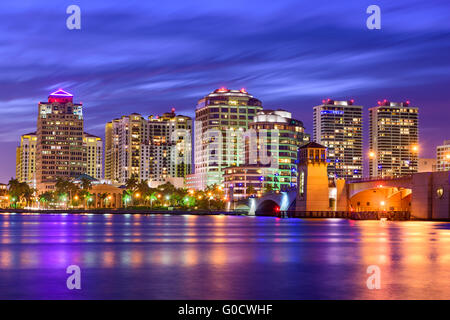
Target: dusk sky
(148,56)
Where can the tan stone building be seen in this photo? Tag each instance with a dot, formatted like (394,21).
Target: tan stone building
(313,184)
(60,151)
(94,155)
(154,150)
(106,196)
(26,159)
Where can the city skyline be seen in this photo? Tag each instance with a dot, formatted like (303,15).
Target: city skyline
(292,64)
(367,154)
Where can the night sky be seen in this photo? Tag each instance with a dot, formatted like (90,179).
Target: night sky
(148,56)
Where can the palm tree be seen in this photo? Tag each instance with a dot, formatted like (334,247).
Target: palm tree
(268,188)
(143,189)
(86,184)
(19,191)
(132,183)
(74,191)
(46,197)
(250,190)
(28,193)
(103,198)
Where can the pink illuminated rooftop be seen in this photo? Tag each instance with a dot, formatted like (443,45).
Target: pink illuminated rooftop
(60,96)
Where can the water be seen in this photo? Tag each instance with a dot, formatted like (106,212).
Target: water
(220,257)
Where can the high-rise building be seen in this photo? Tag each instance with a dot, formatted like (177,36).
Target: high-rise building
(284,135)
(270,155)
(443,156)
(394,139)
(94,155)
(221,117)
(26,159)
(123,139)
(338,127)
(167,151)
(152,150)
(112,150)
(60,151)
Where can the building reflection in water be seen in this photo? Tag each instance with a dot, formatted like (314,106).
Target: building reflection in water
(221,257)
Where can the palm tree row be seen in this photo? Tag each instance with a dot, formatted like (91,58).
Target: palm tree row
(20,192)
(167,195)
(136,193)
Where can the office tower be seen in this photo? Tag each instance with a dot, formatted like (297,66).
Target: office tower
(166,153)
(220,120)
(153,150)
(60,151)
(394,139)
(26,159)
(443,156)
(94,155)
(270,155)
(338,127)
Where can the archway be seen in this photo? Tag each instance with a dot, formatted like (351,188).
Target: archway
(382,199)
(267,208)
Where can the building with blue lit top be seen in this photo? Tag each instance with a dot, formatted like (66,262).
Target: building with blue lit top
(338,127)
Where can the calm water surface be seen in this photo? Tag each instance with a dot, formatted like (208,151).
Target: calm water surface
(220,257)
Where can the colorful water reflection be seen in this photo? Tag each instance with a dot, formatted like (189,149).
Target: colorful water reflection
(220,257)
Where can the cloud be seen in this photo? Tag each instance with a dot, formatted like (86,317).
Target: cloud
(142,56)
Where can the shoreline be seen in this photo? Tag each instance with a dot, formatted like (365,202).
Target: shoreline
(123,211)
(304,215)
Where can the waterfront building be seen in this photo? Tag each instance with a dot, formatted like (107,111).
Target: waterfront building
(271,146)
(166,154)
(394,139)
(94,155)
(123,139)
(280,136)
(221,118)
(59,145)
(26,159)
(443,156)
(243,181)
(112,150)
(338,127)
(154,150)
